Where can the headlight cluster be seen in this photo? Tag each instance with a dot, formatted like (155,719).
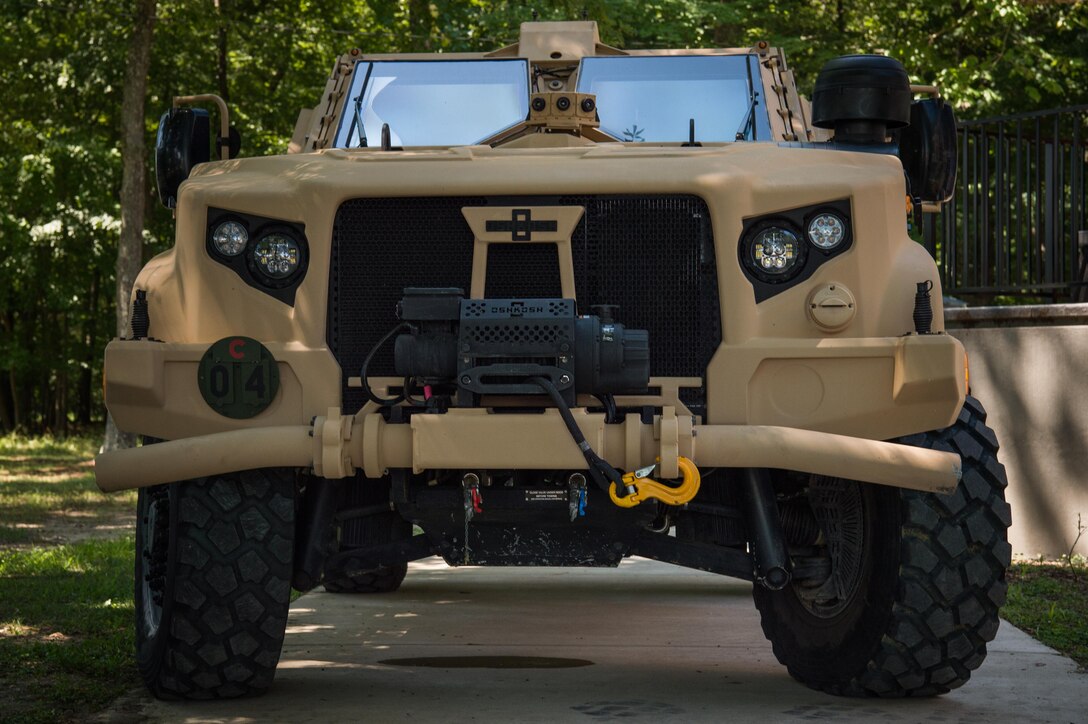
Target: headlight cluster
(268,254)
(276,255)
(826,231)
(775,250)
(230,238)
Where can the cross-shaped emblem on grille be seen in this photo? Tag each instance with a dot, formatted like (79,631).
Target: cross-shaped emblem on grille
(521,225)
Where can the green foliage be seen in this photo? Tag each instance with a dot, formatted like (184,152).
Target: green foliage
(58,222)
(62,67)
(992,57)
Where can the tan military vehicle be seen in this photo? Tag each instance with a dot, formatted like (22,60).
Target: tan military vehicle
(556,305)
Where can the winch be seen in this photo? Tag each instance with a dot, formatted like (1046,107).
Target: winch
(498,346)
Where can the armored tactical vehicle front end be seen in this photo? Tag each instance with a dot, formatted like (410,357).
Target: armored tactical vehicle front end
(556,305)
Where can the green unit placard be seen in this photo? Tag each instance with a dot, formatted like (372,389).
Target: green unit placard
(238,377)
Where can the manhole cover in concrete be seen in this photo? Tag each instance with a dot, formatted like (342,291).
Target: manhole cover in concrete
(489,662)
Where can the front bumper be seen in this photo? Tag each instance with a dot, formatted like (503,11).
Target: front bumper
(874,387)
(151,388)
(337,447)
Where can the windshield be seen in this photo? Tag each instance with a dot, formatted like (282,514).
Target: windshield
(654,98)
(434,103)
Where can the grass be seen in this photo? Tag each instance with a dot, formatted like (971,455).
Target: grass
(66,608)
(48,495)
(66,633)
(1050,602)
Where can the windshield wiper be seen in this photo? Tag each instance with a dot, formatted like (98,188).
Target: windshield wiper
(359,108)
(359,121)
(746,122)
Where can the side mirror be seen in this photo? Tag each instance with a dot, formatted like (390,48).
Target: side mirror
(183,141)
(927,148)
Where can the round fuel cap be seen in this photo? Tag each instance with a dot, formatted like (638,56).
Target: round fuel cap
(831,307)
(238,377)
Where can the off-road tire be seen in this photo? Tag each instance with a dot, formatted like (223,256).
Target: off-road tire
(216,554)
(346,578)
(932,578)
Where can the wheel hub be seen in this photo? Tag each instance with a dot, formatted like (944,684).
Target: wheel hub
(840,513)
(154,547)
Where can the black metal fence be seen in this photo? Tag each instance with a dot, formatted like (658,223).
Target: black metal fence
(1012,227)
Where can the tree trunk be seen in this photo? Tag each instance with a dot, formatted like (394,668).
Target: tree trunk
(60,417)
(224,89)
(8,412)
(7,422)
(22,381)
(420,24)
(16,410)
(133,179)
(90,349)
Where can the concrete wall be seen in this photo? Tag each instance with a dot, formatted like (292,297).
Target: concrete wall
(1029,367)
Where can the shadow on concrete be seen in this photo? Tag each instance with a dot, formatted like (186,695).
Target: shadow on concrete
(664,644)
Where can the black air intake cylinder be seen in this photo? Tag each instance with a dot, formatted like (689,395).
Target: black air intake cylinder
(493,346)
(862,97)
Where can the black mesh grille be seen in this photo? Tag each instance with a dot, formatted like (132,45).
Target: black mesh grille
(522,334)
(651,255)
(523,270)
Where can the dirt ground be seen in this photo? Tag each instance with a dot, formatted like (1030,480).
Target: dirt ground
(49,501)
(74,526)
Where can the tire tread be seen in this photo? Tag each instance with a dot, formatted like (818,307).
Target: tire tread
(232,590)
(953,558)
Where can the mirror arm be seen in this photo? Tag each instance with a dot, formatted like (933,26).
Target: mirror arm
(223,143)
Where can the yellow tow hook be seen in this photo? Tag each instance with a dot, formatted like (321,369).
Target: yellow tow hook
(640,486)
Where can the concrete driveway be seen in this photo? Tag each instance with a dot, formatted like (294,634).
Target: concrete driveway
(646,642)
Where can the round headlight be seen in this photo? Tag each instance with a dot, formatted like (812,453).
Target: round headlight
(826,231)
(230,238)
(276,255)
(775,251)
